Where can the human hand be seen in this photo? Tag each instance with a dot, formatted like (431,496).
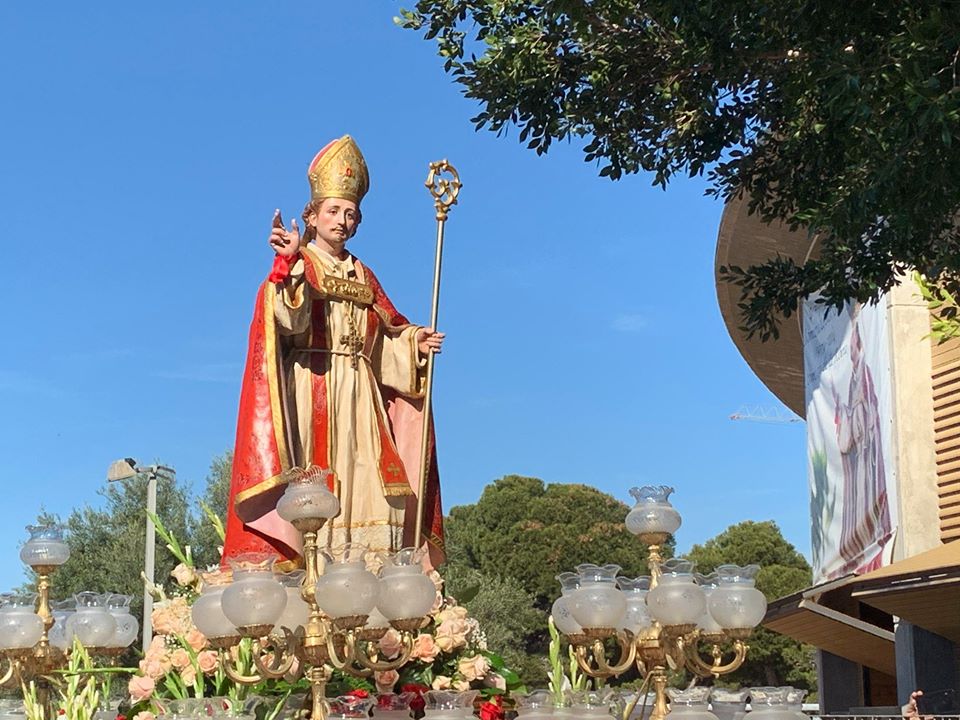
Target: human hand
(284,242)
(910,711)
(429,341)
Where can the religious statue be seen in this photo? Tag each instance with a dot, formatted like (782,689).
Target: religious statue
(334,379)
(866,524)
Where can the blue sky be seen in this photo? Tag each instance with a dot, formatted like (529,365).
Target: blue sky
(144,148)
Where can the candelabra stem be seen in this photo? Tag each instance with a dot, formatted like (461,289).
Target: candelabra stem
(658,678)
(318,676)
(654,561)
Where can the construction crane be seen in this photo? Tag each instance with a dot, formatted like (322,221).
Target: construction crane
(774,415)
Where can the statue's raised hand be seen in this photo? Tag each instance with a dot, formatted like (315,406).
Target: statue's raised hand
(284,242)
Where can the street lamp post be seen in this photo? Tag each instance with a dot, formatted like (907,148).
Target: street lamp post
(127,469)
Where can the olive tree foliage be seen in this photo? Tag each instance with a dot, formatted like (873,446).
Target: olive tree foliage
(773,659)
(839,117)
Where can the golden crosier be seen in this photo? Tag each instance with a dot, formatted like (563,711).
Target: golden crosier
(658,648)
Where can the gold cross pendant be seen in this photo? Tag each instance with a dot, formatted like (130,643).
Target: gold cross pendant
(354,344)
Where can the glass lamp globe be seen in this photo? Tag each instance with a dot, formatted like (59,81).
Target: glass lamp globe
(307,497)
(46,546)
(635,590)
(20,626)
(708,583)
(296,613)
(92,623)
(127,625)
(653,515)
(255,599)
(57,634)
(736,604)
(677,599)
(405,592)
(207,611)
(598,603)
(347,589)
(562,615)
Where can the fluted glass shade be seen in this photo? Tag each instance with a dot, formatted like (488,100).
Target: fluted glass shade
(20,626)
(405,593)
(677,599)
(307,497)
(348,589)
(598,603)
(46,546)
(653,513)
(296,613)
(208,616)
(255,597)
(736,604)
(127,626)
(92,623)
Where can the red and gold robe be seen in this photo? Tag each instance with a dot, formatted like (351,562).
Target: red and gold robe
(310,396)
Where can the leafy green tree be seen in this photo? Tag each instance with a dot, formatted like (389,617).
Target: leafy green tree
(206,540)
(528,531)
(774,659)
(507,616)
(843,117)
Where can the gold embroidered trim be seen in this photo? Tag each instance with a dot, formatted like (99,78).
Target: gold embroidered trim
(338,288)
(258,489)
(368,523)
(286,566)
(273,381)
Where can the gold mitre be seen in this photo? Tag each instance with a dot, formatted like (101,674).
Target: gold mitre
(339,171)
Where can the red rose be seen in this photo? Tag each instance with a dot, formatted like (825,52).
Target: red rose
(492,709)
(359,693)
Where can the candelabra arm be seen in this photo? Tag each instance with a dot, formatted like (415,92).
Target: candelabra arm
(284,652)
(363,657)
(10,670)
(593,661)
(232,672)
(349,649)
(716,667)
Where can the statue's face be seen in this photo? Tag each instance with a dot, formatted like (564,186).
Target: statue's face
(335,221)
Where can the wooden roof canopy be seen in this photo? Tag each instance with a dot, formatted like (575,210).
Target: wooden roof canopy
(746,240)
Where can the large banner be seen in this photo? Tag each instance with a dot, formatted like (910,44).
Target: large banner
(853,483)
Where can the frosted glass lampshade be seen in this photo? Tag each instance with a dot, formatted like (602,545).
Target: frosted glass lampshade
(598,603)
(20,626)
(377,620)
(307,497)
(677,599)
(46,546)
(653,513)
(207,611)
(58,635)
(736,604)
(296,613)
(127,625)
(348,589)
(92,623)
(255,597)
(405,592)
(635,591)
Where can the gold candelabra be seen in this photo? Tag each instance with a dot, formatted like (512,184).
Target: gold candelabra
(328,641)
(675,624)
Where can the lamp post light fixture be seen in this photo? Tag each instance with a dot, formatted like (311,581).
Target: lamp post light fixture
(340,607)
(127,469)
(666,620)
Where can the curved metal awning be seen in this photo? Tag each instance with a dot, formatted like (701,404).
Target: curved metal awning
(745,240)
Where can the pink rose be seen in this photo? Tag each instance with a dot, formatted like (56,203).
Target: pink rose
(208,661)
(152,667)
(196,640)
(451,634)
(391,644)
(180,658)
(440,682)
(461,685)
(184,575)
(144,715)
(189,676)
(424,648)
(473,668)
(386,680)
(140,687)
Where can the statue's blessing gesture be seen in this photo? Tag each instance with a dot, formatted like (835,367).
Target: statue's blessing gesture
(335,379)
